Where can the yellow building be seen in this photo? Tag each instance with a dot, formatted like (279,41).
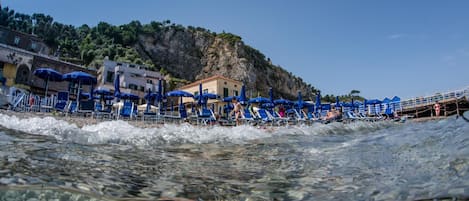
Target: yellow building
(218,84)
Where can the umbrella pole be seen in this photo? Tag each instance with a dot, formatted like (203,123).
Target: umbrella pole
(78,95)
(47,85)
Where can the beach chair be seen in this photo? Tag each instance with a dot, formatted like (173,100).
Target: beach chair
(277,118)
(351,116)
(206,116)
(86,107)
(154,116)
(248,117)
(17,100)
(127,110)
(71,108)
(62,102)
(265,117)
(101,111)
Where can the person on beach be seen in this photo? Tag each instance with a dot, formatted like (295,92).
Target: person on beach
(237,110)
(332,115)
(31,102)
(281,111)
(437,108)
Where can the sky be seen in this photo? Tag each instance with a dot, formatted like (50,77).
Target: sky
(381,48)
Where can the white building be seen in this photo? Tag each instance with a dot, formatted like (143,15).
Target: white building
(134,78)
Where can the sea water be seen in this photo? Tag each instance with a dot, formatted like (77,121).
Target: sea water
(49,159)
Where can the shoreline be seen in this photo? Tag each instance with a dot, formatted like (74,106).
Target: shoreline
(79,121)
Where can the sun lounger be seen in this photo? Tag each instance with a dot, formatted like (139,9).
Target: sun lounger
(205,116)
(248,117)
(86,107)
(101,111)
(127,110)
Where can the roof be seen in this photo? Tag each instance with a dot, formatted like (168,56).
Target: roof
(216,77)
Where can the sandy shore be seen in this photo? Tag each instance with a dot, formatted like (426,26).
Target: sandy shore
(80,121)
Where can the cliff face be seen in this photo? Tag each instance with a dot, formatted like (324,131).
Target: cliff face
(194,54)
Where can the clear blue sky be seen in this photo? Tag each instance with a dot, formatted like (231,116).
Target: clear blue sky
(382,48)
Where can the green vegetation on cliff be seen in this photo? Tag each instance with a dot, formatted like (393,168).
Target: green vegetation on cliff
(182,53)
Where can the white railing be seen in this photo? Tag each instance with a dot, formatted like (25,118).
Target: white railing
(428,100)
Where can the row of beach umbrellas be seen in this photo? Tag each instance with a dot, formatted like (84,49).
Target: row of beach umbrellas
(82,78)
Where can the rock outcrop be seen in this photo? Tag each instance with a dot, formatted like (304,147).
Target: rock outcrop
(193,54)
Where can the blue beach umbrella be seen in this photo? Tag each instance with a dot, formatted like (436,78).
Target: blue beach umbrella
(179,93)
(267,105)
(271,95)
(396,101)
(318,102)
(117,90)
(148,97)
(85,95)
(337,103)
(282,102)
(82,78)
(228,98)
(242,95)
(102,91)
(48,74)
(159,97)
(300,100)
(259,100)
(204,98)
(364,105)
(129,96)
(200,98)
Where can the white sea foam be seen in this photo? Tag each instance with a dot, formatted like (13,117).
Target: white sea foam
(121,132)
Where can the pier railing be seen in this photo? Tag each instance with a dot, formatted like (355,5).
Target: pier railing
(441,97)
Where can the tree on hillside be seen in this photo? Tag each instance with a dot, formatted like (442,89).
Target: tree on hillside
(354,93)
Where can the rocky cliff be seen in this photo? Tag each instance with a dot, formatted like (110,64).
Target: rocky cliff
(193,54)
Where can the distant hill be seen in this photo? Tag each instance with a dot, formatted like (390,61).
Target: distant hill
(183,53)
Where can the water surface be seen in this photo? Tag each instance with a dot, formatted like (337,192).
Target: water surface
(49,158)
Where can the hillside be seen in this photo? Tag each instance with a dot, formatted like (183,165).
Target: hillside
(186,53)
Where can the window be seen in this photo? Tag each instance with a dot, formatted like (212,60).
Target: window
(226,83)
(205,91)
(33,45)
(225,92)
(135,75)
(16,41)
(110,76)
(196,93)
(235,92)
(142,88)
(149,81)
(133,86)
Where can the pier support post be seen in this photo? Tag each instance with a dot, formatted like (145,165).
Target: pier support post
(457,107)
(444,107)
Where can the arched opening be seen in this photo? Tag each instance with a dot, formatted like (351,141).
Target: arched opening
(22,75)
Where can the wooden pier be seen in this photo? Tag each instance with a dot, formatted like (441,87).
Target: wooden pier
(454,102)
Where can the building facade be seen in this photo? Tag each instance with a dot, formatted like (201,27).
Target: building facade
(133,78)
(21,54)
(222,86)
(23,41)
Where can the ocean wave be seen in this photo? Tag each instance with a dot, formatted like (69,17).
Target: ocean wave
(121,132)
